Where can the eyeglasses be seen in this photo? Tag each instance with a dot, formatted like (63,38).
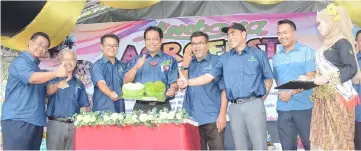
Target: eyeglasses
(110,46)
(41,45)
(199,43)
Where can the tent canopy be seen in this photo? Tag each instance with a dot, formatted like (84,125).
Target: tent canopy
(57,15)
(169,9)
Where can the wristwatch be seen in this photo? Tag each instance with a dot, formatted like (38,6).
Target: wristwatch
(183,68)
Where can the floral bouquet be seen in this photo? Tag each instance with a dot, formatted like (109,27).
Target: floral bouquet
(136,118)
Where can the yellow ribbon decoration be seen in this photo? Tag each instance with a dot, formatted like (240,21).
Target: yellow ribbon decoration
(332,10)
(57,19)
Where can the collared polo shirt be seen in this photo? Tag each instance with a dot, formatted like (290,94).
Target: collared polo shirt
(244,73)
(289,66)
(203,102)
(24,101)
(113,75)
(66,102)
(160,67)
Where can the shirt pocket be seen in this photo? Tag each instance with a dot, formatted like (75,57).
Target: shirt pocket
(252,68)
(164,68)
(158,75)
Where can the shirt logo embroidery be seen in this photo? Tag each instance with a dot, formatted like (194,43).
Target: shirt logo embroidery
(208,68)
(121,69)
(330,49)
(252,58)
(153,63)
(165,65)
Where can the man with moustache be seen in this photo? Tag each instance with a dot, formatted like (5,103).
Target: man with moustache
(107,76)
(66,97)
(248,78)
(294,107)
(206,104)
(151,67)
(23,112)
(358,89)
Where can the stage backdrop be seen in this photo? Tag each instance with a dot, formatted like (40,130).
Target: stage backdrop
(261,31)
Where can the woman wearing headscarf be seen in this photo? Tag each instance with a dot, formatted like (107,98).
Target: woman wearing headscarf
(332,125)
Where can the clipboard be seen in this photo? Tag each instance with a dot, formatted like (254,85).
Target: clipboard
(298,84)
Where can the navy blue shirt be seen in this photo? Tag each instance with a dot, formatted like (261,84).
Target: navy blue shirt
(67,102)
(203,102)
(24,101)
(289,66)
(358,90)
(244,73)
(113,75)
(161,67)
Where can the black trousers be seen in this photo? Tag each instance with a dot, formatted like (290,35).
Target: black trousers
(210,137)
(20,135)
(294,123)
(357,135)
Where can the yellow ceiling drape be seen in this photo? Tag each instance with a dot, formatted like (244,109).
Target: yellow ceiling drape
(57,19)
(353,8)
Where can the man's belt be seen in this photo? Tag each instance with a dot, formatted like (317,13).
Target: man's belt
(60,119)
(151,102)
(244,100)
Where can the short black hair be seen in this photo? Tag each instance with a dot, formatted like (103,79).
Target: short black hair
(358,32)
(42,34)
(155,28)
(198,34)
(109,36)
(289,22)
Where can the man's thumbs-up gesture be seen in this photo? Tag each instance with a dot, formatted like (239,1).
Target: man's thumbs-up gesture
(64,83)
(140,62)
(182,82)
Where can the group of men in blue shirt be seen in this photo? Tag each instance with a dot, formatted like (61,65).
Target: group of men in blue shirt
(241,76)
(246,77)
(23,112)
(108,74)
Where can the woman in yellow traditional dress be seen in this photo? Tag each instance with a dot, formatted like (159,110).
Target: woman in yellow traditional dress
(333,115)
